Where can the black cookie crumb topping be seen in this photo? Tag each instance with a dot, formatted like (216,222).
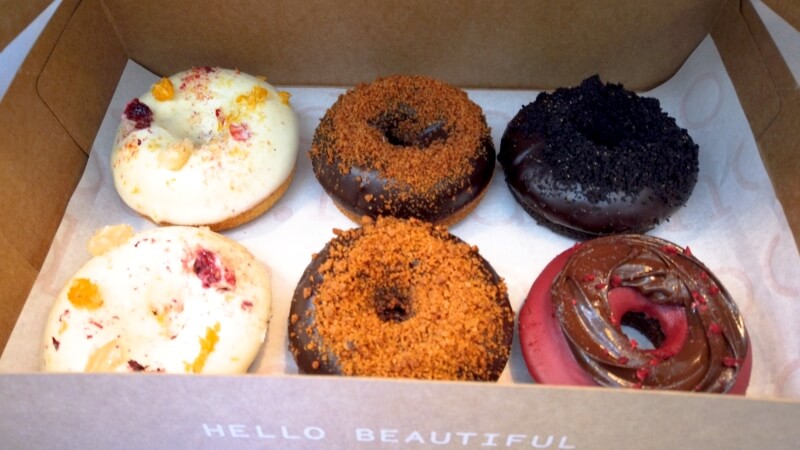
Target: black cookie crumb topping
(603,144)
(619,141)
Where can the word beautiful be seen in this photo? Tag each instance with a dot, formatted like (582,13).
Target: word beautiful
(465,438)
(387,436)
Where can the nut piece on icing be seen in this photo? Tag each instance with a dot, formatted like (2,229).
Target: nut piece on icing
(109,237)
(107,358)
(253,98)
(285,96)
(175,156)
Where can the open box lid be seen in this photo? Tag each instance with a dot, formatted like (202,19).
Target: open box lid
(789,10)
(16,15)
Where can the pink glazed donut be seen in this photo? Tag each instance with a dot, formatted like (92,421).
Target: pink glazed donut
(571,325)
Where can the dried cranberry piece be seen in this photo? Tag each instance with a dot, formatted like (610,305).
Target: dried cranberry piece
(139,113)
(135,366)
(206,269)
(730,361)
(240,132)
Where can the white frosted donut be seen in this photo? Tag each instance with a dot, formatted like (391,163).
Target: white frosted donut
(207,146)
(171,299)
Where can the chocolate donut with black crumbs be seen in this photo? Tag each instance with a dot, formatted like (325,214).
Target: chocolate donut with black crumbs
(597,159)
(401,298)
(404,146)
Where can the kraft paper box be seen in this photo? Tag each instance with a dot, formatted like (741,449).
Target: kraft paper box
(712,64)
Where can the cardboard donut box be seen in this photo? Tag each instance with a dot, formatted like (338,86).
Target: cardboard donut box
(51,113)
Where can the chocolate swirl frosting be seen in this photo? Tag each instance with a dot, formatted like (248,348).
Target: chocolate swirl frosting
(671,280)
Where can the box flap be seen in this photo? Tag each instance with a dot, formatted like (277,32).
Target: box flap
(355,41)
(788,9)
(16,15)
(17,275)
(40,167)
(749,73)
(470,43)
(768,93)
(82,72)
(779,141)
(105,411)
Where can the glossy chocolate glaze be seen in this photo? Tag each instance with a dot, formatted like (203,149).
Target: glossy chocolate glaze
(393,304)
(396,128)
(716,344)
(364,191)
(581,173)
(310,358)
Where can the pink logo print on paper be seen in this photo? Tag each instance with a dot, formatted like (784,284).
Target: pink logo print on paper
(736,165)
(712,208)
(787,383)
(786,290)
(497,206)
(739,285)
(695,110)
(282,213)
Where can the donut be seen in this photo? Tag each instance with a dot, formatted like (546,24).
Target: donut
(402,299)
(572,326)
(597,159)
(208,146)
(404,146)
(171,299)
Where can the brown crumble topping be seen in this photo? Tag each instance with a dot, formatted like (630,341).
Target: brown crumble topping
(348,137)
(407,299)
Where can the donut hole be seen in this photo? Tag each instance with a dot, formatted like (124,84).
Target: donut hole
(402,127)
(600,129)
(645,330)
(654,326)
(393,304)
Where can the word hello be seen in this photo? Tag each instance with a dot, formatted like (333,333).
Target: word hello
(259,432)
(390,436)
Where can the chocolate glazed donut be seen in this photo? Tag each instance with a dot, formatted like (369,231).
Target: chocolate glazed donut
(404,146)
(621,280)
(597,160)
(401,298)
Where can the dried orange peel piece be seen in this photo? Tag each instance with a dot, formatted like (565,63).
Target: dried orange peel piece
(163,90)
(85,294)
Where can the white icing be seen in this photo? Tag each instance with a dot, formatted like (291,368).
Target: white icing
(222,177)
(156,310)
